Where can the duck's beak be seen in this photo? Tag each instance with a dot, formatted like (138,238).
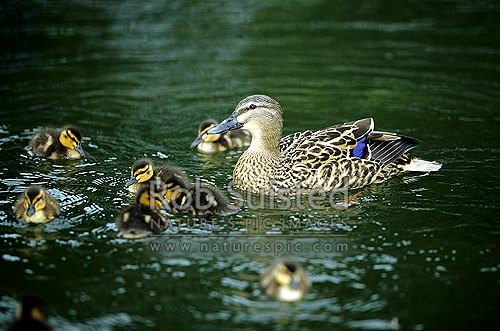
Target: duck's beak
(31,210)
(196,141)
(294,284)
(228,124)
(79,149)
(131,181)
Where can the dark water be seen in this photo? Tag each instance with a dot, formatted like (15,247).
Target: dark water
(137,78)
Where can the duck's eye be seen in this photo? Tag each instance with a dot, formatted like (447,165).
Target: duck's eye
(252,106)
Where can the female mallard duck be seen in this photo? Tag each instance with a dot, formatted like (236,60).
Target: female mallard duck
(180,195)
(30,315)
(213,143)
(36,206)
(53,144)
(286,281)
(142,218)
(326,159)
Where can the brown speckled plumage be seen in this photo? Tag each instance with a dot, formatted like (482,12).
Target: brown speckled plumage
(324,159)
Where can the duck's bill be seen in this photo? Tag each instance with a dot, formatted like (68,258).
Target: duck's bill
(79,149)
(131,181)
(228,124)
(196,142)
(31,210)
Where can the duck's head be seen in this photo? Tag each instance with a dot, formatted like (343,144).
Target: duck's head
(30,308)
(259,114)
(141,223)
(142,171)
(202,133)
(35,199)
(71,138)
(286,281)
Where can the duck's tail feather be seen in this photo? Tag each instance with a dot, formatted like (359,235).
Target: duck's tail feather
(386,148)
(422,165)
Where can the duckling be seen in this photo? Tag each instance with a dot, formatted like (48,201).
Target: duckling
(30,315)
(214,143)
(286,281)
(142,218)
(36,206)
(53,144)
(199,199)
(143,171)
(179,194)
(351,153)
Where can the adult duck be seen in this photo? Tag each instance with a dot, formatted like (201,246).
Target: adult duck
(351,153)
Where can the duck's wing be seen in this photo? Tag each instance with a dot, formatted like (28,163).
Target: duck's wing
(326,144)
(45,142)
(387,147)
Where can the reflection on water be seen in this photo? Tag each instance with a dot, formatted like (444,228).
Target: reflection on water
(138,77)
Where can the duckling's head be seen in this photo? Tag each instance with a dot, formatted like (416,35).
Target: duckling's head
(202,133)
(259,114)
(71,138)
(140,221)
(34,200)
(285,281)
(204,127)
(30,308)
(141,171)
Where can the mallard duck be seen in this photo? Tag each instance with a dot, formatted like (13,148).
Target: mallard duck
(142,218)
(180,195)
(30,315)
(143,172)
(286,281)
(214,143)
(325,159)
(54,144)
(36,206)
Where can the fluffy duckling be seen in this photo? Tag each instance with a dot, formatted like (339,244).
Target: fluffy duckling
(214,143)
(54,144)
(143,172)
(179,194)
(142,218)
(36,206)
(286,281)
(199,199)
(30,315)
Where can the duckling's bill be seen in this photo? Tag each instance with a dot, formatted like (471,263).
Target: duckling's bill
(132,180)
(197,141)
(80,150)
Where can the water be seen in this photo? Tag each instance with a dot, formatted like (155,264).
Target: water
(138,77)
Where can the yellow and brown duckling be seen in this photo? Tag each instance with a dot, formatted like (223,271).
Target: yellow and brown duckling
(143,217)
(58,144)
(143,171)
(213,143)
(351,153)
(179,194)
(30,315)
(36,206)
(285,281)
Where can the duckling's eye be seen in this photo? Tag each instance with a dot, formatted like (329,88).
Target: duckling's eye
(252,106)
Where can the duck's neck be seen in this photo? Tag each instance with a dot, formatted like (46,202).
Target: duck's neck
(265,140)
